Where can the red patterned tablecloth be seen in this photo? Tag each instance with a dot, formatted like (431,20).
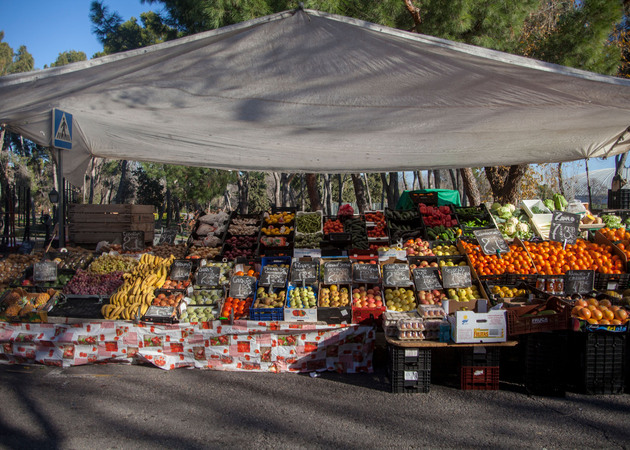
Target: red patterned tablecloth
(245,345)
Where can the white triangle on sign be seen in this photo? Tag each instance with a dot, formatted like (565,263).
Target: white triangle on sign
(63,131)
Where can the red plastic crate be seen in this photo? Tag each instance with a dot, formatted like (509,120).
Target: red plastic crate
(368,316)
(479,378)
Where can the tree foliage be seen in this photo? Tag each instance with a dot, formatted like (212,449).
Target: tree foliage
(68,57)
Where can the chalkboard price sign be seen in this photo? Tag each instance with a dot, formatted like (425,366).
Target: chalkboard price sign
(208,276)
(168,236)
(45,271)
(396,274)
(181,269)
(306,272)
(159,312)
(242,286)
(456,277)
(490,240)
(274,275)
(337,272)
(578,281)
(426,278)
(366,273)
(133,241)
(564,227)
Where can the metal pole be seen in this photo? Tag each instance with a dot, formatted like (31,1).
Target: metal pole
(62,199)
(588,185)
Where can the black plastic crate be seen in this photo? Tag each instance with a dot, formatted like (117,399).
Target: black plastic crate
(490,356)
(410,381)
(599,362)
(401,358)
(545,363)
(619,199)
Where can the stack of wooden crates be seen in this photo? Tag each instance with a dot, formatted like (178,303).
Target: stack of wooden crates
(91,224)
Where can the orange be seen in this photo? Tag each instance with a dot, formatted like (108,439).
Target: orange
(621,314)
(581,303)
(597,314)
(592,321)
(592,301)
(615,322)
(605,302)
(609,315)
(576,311)
(585,313)
(604,322)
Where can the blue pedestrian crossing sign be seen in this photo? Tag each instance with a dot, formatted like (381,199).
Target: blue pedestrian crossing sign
(62,129)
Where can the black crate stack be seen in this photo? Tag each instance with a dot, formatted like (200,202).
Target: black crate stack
(409,369)
(599,362)
(545,357)
(479,369)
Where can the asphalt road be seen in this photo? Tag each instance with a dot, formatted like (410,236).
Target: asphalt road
(132,406)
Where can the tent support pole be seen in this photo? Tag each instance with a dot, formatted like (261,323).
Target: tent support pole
(588,185)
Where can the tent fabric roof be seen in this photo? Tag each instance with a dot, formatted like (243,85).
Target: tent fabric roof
(306,91)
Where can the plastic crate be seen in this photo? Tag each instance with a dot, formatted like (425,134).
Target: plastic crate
(479,378)
(410,381)
(490,357)
(609,281)
(428,198)
(368,316)
(601,362)
(517,324)
(401,358)
(545,363)
(266,314)
(619,199)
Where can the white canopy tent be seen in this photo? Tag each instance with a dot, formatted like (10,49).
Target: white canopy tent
(306,91)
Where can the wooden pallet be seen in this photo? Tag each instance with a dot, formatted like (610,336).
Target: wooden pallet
(90,224)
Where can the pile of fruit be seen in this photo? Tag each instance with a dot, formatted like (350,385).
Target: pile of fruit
(515,261)
(433,297)
(282,230)
(443,233)
(206,297)
(445,250)
(73,261)
(464,294)
(333,226)
(418,247)
(600,312)
(175,284)
(196,314)
(423,263)
(363,297)
(378,227)
(199,252)
(19,303)
(508,292)
(400,299)
(302,297)
(266,299)
(164,250)
(358,232)
(333,297)
(112,263)
(240,308)
(434,216)
(88,283)
(551,259)
(279,218)
(165,299)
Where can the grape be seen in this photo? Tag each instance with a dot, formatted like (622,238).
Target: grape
(86,283)
(112,263)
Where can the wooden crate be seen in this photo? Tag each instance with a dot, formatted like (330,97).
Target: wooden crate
(90,224)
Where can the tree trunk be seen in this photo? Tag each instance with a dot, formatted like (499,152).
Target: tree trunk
(228,205)
(92,181)
(470,186)
(359,193)
(405,185)
(560,178)
(620,163)
(313,191)
(340,182)
(437,179)
(327,195)
(169,208)
(367,190)
(276,191)
(415,15)
(451,172)
(505,182)
(285,182)
(420,180)
(123,186)
(242,192)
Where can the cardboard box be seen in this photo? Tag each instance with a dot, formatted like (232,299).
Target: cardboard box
(470,327)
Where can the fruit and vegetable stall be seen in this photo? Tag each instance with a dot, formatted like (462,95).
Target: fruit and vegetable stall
(538,293)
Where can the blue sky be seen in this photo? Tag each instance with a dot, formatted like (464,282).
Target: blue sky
(50,27)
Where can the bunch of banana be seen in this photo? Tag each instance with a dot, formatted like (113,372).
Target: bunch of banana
(135,295)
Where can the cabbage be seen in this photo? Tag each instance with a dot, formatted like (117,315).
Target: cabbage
(504,212)
(495,206)
(522,227)
(509,229)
